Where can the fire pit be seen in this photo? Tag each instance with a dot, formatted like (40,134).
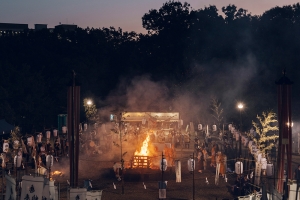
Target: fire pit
(141,162)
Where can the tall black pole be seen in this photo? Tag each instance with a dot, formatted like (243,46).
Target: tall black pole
(162,170)
(73,132)
(73,105)
(122,161)
(3,176)
(162,167)
(241,119)
(240,147)
(285,131)
(193,167)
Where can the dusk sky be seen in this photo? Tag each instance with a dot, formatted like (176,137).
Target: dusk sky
(125,14)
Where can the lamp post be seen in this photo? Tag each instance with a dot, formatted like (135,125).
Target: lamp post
(240,107)
(89,102)
(122,160)
(88,107)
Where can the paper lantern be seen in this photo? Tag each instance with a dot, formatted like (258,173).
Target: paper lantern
(64,129)
(237,136)
(257,173)
(42,171)
(191,164)
(49,161)
(238,167)
(246,142)
(30,141)
(254,149)
(178,170)
(214,127)
(16,144)
(113,117)
(229,127)
(199,127)
(250,143)
(48,134)
(55,133)
(242,139)
(39,138)
(18,160)
(163,164)
(181,122)
(232,129)
(270,169)
(258,156)
(5,146)
(263,162)
(187,128)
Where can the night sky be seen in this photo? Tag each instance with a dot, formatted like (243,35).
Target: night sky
(125,14)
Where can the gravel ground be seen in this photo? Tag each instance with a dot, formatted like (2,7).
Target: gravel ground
(134,183)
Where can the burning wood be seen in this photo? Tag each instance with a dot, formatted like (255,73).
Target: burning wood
(141,158)
(144,148)
(59,173)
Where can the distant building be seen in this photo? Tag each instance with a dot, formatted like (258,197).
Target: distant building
(40,26)
(67,27)
(13,27)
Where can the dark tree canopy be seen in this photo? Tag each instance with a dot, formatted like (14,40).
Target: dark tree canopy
(231,56)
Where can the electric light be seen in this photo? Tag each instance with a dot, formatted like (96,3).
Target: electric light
(89,102)
(240,106)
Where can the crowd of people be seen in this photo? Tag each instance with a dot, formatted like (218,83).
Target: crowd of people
(220,154)
(33,152)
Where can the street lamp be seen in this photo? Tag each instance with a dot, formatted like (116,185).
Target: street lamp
(240,107)
(89,102)
(90,110)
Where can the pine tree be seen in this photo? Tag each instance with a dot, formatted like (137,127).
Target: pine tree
(217,111)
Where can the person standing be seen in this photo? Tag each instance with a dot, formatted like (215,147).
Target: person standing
(297,177)
(213,156)
(205,157)
(200,158)
(56,149)
(220,160)
(187,141)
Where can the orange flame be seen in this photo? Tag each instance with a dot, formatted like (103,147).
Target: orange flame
(144,148)
(141,157)
(57,173)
